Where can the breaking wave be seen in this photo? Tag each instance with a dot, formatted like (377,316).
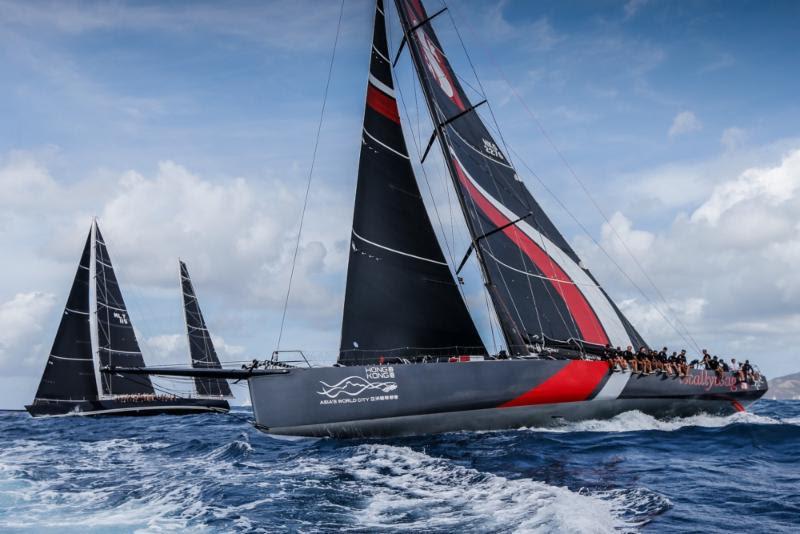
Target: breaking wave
(636,421)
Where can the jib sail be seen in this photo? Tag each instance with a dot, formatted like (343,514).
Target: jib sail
(201,348)
(537,283)
(69,373)
(401,298)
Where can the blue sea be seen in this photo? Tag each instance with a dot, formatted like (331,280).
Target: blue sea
(215,473)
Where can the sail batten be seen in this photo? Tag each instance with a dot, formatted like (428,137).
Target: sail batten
(202,353)
(401,298)
(537,284)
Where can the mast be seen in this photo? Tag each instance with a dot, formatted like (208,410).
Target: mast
(69,374)
(538,285)
(400,299)
(201,348)
(93,309)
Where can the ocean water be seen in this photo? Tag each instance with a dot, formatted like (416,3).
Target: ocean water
(216,473)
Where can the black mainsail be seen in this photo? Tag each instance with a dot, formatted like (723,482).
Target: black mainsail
(69,374)
(537,283)
(401,298)
(201,347)
(116,339)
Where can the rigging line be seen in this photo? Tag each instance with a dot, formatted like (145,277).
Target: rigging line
(594,202)
(427,182)
(435,207)
(519,197)
(310,174)
(575,176)
(598,245)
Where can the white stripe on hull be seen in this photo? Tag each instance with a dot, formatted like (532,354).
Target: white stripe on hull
(613,386)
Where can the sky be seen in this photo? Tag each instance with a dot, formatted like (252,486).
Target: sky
(668,130)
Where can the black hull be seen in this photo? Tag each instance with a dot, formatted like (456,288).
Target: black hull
(113,407)
(399,400)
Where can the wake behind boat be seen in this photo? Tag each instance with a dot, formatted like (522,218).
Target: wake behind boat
(95,331)
(411,360)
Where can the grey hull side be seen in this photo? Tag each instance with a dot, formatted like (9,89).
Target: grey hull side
(398,400)
(544,415)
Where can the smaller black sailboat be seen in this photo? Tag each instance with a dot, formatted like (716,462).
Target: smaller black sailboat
(201,347)
(96,331)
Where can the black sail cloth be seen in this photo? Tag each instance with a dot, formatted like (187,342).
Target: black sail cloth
(537,283)
(401,298)
(201,348)
(116,339)
(69,373)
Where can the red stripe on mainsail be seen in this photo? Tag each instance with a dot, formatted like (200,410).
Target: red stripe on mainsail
(382,103)
(573,382)
(586,320)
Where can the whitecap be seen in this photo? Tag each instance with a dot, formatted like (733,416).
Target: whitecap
(636,421)
(409,490)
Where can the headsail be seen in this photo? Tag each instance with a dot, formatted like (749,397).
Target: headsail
(400,292)
(70,373)
(116,339)
(537,283)
(201,348)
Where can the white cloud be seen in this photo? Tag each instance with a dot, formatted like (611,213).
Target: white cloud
(732,138)
(21,320)
(767,187)
(683,123)
(728,267)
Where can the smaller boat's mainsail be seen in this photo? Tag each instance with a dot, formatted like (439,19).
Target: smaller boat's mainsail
(537,283)
(116,339)
(69,374)
(401,298)
(201,348)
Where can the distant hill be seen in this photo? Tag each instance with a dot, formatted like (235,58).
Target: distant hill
(784,387)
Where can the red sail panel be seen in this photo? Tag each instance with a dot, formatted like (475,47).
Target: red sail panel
(382,103)
(589,325)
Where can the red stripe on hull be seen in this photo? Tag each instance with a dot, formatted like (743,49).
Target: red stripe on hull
(738,406)
(574,382)
(586,320)
(383,104)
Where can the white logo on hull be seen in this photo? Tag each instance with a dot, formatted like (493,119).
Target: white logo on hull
(354,385)
(350,389)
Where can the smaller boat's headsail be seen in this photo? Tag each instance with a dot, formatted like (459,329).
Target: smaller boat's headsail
(201,348)
(70,373)
(401,298)
(116,339)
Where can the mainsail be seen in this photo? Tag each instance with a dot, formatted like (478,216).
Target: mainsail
(401,298)
(538,285)
(69,373)
(116,339)
(201,348)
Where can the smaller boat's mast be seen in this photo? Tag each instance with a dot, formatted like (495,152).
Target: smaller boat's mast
(93,324)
